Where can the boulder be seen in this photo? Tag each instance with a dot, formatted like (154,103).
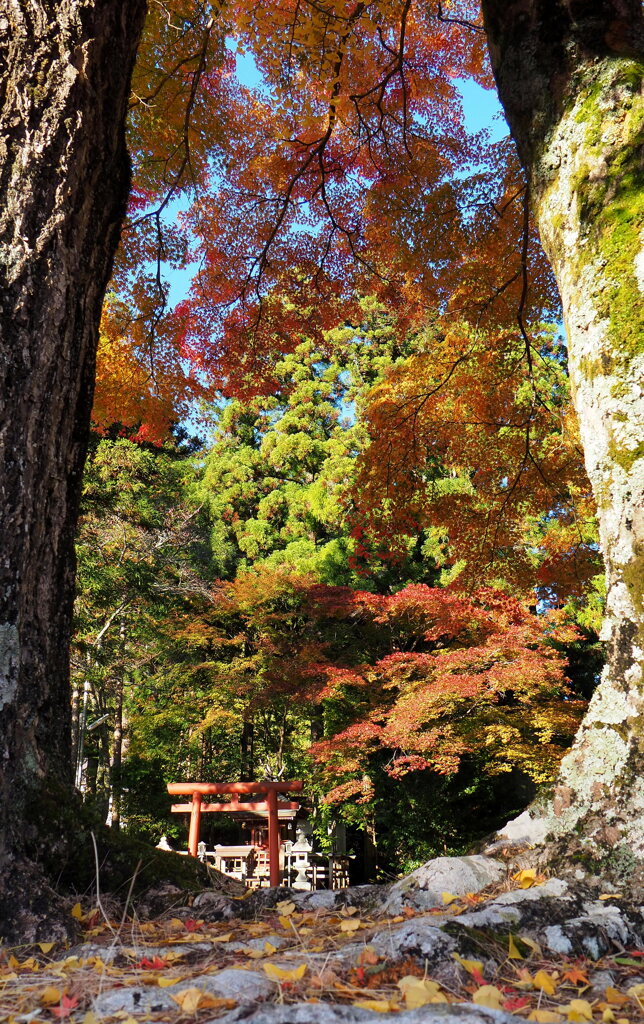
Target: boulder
(232,983)
(423,888)
(328,1013)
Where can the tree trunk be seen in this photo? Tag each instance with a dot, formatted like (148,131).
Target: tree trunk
(571,79)
(64,178)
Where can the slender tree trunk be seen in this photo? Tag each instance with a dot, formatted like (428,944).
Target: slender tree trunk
(64,174)
(75,722)
(571,79)
(247,744)
(116,760)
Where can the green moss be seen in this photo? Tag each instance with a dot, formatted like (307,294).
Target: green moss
(60,840)
(609,185)
(626,457)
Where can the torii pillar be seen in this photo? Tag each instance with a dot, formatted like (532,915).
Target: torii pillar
(197,790)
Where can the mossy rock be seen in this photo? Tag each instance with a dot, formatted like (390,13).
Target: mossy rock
(66,840)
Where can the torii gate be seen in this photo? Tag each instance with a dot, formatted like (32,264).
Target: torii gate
(197,790)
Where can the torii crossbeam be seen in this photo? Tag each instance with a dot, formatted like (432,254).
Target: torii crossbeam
(197,790)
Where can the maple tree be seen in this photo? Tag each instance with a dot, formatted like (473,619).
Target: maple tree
(351,165)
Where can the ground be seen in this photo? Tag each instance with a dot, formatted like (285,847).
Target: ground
(526,946)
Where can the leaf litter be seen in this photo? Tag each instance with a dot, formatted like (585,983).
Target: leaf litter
(300,953)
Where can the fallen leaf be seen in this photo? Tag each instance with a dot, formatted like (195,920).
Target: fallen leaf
(448,897)
(610,896)
(163,981)
(50,995)
(269,948)
(607,1015)
(378,1005)
(221,938)
(285,907)
(531,944)
(350,924)
(526,878)
(420,992)
(637,993)
(46,947)
(516,1003)
(280,974)
(471,966)
(578,1010)
(575,975)
(513,952)
(153,964)
(490,996)
(545,1017)
(545,982)
(67,1004)
(77,912)
(192,999)
(615,997)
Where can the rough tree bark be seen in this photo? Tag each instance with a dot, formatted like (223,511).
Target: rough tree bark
(570,75)
(65,69)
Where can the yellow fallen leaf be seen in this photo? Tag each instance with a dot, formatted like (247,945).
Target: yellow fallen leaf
(531,944)
(471,966)
(545,1017)
(77,911)
(284,921)
(378,1005)
(163,981)
(11,960)
(50,996)
(615,997)
(221,938)
(270,948)
(490,996)
(46,947)
(350,924)
(526,878)
(30,964)
(192,999)
(513,952)
(276,973)
(610,896)
(608,1016)
(419,992)
(545,982)
(285,907)
(349,911)
(578,1010)
(636,992)
(90,1018)
(448,897)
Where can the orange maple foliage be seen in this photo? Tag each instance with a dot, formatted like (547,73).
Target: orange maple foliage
(346,170)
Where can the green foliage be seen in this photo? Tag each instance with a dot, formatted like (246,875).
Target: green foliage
(235,614)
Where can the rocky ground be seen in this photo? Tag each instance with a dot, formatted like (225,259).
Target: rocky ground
(459,939)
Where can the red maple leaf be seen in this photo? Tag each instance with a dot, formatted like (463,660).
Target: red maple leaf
(67,1004)
(155,964)
(193,926)
(517,1003)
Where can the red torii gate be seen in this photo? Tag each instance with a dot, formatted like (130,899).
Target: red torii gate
(197,790)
